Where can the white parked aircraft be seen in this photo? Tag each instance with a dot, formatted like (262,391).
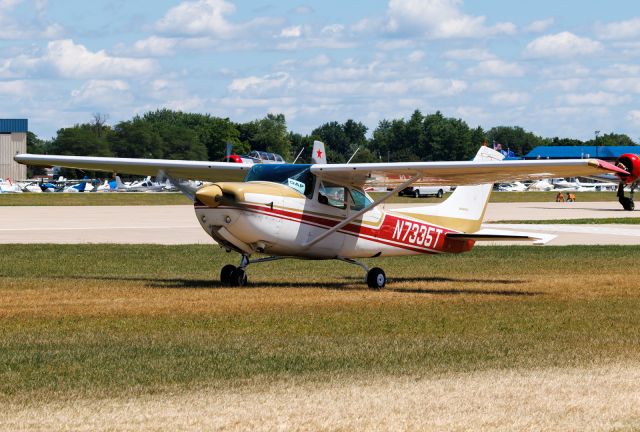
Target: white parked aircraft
(512,187)
(321,211)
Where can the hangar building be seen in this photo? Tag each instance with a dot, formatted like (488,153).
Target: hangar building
(13,140)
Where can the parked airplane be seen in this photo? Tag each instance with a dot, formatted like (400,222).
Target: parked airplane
(321,211)
(7,186)
(512,187)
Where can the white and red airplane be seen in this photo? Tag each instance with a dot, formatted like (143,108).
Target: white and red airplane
(321,211)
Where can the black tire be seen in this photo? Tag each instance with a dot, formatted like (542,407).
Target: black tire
(238,278)
(627,203)
(225,274)
(630,205)
(376,279)
(416,193)
(440,193)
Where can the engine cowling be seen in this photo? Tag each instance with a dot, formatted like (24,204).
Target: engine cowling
(631,163)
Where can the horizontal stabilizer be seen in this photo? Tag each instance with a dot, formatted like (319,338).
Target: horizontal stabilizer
(503,235)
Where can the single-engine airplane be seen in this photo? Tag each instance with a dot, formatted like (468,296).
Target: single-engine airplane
(321,211)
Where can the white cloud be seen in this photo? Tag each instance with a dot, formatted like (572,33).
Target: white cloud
(496,68)
(259,85)
(303,10)
(563,45)
(439,19)
(102,93)
(634,116)
(629,29)
(72,60)
(621,69)
(437,86)
(317,61)
(597,98)
(198,17)
(208,18)
(510,98)
(565,85)
(15,89)
(18,28)
(154,46)
(486,86)
(416,56)
(539,26)
(469,54)
(623,85)
(291,32)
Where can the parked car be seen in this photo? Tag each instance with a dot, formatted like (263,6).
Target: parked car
(421,191)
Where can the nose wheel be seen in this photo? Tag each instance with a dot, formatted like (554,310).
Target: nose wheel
(231,275)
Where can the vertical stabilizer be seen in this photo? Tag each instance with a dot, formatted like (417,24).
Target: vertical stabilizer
(119,184)
(318,155)
(465,208)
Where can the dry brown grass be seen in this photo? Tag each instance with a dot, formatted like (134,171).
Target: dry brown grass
(61,297)
(584,399)
(143,339)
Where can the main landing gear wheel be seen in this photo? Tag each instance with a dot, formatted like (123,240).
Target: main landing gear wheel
(416,194)
(440,193)
(376,278)
(627,204)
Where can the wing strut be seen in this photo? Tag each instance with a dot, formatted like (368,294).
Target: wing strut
(356,215)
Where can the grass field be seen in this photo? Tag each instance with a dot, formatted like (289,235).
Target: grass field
(107,199)
(123,337)
(97,320)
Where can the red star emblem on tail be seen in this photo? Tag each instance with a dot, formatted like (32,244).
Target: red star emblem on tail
(319,153)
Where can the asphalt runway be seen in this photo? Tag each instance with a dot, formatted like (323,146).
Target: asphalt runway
(178,225)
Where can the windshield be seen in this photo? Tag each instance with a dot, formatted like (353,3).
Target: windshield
(297,177)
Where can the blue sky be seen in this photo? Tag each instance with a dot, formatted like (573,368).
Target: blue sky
(557,68)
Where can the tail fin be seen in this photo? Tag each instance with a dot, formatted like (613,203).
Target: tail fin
(119,184)
(465,208)
(318,155)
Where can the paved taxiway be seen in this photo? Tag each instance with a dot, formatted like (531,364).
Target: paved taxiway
(178,225)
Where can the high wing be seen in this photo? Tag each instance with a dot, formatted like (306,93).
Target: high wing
(459,173)
(192,170)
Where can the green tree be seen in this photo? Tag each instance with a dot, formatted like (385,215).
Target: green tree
(137,139)
(612,139)
(515,139)
(181,142)
(267,134)
(35,146)
(82,140)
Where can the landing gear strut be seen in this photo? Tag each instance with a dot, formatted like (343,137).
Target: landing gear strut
(231,275)
(627,202)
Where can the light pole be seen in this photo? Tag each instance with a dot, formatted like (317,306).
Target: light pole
(597,133)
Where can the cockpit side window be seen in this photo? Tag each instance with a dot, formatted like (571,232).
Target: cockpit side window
(297,177)
(359,200)
(332,195)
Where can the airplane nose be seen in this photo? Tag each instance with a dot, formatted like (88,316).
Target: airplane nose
(211,196)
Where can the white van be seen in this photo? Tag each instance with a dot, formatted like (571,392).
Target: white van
(421,191)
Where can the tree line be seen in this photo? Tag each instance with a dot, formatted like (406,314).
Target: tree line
(167,134)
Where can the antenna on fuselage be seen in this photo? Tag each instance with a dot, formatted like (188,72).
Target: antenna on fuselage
(298,157)
(353,155)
